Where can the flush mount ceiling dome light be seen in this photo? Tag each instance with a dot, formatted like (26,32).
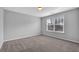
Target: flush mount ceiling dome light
(40,8)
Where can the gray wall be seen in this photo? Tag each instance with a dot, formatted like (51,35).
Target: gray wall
(18,25)
(1,27)
(71,26)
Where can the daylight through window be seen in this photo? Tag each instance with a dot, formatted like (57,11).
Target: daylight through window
(55,24)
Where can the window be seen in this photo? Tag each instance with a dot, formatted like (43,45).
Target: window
(55,24)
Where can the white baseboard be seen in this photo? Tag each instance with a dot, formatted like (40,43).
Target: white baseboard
(67,39)
(21,37)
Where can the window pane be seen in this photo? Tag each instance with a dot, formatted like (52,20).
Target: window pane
(53,21)
(49,21)
(50,27)
(57,21)
(58,27)
(61,21)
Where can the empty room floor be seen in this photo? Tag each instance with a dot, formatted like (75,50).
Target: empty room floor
(40,43)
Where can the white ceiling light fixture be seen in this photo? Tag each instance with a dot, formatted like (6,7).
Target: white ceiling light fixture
(40,8)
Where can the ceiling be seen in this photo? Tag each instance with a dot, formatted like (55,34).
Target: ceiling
(35,12)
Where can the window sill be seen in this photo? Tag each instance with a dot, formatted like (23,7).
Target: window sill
(55,31)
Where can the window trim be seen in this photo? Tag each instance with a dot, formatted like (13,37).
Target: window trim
(54,25)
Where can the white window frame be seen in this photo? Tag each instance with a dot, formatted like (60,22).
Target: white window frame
(55,24)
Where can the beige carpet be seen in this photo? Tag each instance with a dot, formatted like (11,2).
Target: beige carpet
(40,43)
